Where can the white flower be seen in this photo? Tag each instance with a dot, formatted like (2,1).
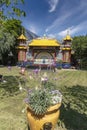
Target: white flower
(42,79)
(23,110)
(4,81)
(20,88)
(30,77)
(45,75)
(36,87)
(56,99)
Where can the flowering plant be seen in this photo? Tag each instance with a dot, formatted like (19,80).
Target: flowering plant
(41,97)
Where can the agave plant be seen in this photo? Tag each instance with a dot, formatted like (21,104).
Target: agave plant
(40,98)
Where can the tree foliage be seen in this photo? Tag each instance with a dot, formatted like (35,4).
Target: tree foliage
(13,26)
(6,40)
(11,5)
(9,32)
(80,48)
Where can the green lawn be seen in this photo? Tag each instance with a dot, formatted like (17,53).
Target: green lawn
(71,83)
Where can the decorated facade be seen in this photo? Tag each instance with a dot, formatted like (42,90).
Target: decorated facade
(44,51)
(22,48)
(66,51)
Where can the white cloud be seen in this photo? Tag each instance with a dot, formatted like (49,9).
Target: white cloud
(33,29)
(30,26)
(68,30)
(74,29)
(62,33)
(66,16)
(80,27)
(53,5)
(58,22)
(51,35)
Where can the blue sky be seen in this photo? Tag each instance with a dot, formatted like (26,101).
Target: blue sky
(55,17)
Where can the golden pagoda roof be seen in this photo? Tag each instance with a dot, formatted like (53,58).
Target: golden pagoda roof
(66,48)
(44,42)
(21,47)
(22,37)
(68,37)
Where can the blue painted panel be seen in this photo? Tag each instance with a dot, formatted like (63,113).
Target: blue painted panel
(66,65)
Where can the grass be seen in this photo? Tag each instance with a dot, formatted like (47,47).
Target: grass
(72,84)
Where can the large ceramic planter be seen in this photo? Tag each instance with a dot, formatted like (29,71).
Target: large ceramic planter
(46,121)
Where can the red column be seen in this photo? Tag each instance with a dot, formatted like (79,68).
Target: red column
(25,55)
(70,56)
(55,56)
(33,54)
(64,56)
(18,55)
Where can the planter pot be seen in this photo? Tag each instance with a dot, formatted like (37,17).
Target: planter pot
(46,121)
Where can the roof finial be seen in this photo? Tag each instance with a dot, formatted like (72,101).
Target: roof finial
(22,30)
(44,35)
(68,31)
(68,37)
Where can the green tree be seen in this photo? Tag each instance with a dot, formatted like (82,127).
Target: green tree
(6,42)
(9,29)
(13,26)
(79,46)
(9,32)
(11,7)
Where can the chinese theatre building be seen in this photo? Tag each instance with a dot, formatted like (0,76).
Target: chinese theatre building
(44,51)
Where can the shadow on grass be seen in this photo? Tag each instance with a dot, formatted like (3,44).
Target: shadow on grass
(74,108)
(10,86)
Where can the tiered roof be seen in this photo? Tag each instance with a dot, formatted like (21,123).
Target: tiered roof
(68,37)
(22,37)
(44,42)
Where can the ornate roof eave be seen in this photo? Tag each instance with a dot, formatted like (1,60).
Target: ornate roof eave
(68,37)
(44,42)
(66,48)
(21,47)
(22,37)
